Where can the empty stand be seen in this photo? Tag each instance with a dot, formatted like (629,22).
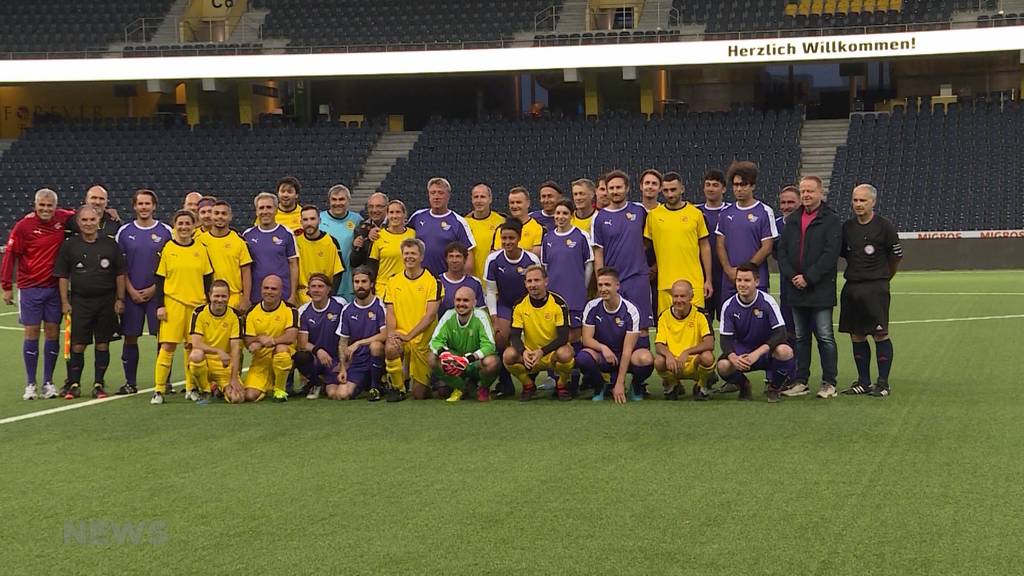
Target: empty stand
(70,25)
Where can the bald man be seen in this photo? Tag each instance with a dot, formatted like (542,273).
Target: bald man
(192,202)
(685,345)
(462,348)
(271,330)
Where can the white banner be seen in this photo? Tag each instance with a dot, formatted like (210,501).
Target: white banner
(961,234)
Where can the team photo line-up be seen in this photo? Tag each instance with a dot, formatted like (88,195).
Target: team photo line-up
(386,303)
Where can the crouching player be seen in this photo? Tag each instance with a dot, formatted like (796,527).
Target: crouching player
(611,329)
(462,348)
(271,328)
(316,357)
(685,345)
(216,356)
(362,333)
(754,337)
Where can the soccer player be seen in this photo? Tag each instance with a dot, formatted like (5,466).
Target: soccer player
(191,202)
(462,348)
(569,259)
(183,277)
(288,209)
(140,241)
(32,248)
(583,191)
(746,230)
(341,223)
(316,355)
(601,199)
(611,330)
(230,257)
(650,184)
(680,237)
(455,277)
(550,195)
(363,331)
(808,261)
(369,229)
(437,227)
(540,337)
(530,231)
(685,344)
(483,223)
(386,255)
(504,274)
(714,190)
(90,272)
(215,334)
(205,214)
(319,253)
(271,329)
(273,249)
(412,299)
(872,249)
(753,337)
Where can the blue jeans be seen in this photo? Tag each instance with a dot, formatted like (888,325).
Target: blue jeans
(818,321)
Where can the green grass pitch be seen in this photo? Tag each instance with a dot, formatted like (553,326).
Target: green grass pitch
(925,482)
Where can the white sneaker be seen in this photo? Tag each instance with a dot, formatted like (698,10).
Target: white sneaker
(798,389)
(827,391)
(30,392)
(49,391)
(157,398)
(193,396)
(314,392)
(547,383)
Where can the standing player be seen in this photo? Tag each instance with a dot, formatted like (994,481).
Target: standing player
(611,329)
(205,214)
(271,329)
(583,191)
(216,337)
(319,253)
(437,227)
(386,255)
(363,331)
(650,184)
(872,250)
(714,191)
(455,277)
(90,267)
(530,231)
(288,210)
(540,337)
(316,355)
(273,249)
(230,257)
(550,195)
(601,199)
(685,345)
(569,259)
(341,223)
(753,337)
(462,348)
(32,249)
(746,230)
(183,276)
(368,230)
(141,242)
(483,223)
(191,202)
(412,299)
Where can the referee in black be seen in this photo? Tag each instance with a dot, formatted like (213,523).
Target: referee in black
(872,250)
(92,280)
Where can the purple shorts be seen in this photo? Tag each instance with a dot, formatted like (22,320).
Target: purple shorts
(136,315)
(359,374)
(325,374)
(575,318)
(504,312)
(638,291)
(37,305)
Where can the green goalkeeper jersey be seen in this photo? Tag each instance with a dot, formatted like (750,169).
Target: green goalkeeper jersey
(476,336)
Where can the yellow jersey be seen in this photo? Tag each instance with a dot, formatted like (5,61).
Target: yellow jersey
(409,298)
(217,331)
(228,253)
(274,323)
(387,251)
(676,234)
(681,333)
(532,235)
(291,220)
(483,230)
(183,268)
(540,323)
(322,255)
(583,224)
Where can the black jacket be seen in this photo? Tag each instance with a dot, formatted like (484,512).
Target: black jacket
(819,265)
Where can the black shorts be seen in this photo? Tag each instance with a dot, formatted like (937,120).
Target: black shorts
(93,319)
(864,308)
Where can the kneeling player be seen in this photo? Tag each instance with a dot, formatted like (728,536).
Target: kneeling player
(611,329)
(271,328)
(753,337)
(216,356)
(685,345)
(362,332)
(317,355)
(462,347)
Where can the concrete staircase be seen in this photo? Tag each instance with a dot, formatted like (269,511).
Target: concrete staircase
(387,151)
(573,19)
(249,27)
(167,32)
(655,15)
(818,142)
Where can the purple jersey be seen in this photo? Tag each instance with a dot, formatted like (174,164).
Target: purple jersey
(437,232)
(744,229)
(362,322)
(711,216)
(566,256)
(610,328)
(546,222)
(141,248)
(620,233)
(271,251)
(750,325)
(321,326)
(448,302)
(509,276)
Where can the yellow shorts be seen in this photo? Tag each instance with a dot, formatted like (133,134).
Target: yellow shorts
(217,372)
(689,369)
(261,370)
(414,356)
(546,362)
(174,330)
